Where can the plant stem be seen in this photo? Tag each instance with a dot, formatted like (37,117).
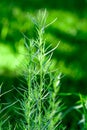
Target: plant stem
(41,75)
(29,90)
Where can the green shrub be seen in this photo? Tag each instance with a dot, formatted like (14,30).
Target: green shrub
(41,106)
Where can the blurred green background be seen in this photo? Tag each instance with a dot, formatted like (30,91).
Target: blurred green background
(70,29)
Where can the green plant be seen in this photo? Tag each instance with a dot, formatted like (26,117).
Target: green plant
(4,110)
(82,108)
(41,106)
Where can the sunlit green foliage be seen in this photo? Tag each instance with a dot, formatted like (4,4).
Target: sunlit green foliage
(70,57)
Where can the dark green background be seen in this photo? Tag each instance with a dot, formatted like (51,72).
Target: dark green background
(70,29)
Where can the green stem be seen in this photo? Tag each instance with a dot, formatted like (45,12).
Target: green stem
(29,92)
(41,78)
(29,86)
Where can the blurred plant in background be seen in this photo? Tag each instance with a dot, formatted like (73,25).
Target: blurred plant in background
(70,57)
